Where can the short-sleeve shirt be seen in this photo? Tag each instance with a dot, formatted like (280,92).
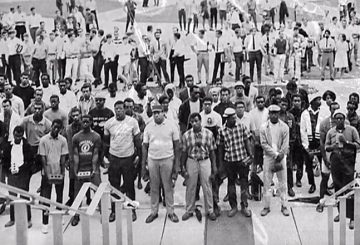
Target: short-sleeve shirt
(35,130)
(198,145)
(211,120)
(86,144)
(53,149)
(100,116)
(122,136)
(160,138)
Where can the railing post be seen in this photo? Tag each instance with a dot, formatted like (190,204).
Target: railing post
(357,215)
(342,216)
(330,209)
(105,200)
(57,217)
(119,215)
(85,229)
(129,226)
(21,222)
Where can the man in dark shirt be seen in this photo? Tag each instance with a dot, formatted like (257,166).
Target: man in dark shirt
(224,103)
(280,50)
(24,90)
(130,7)
(292,89)
(352,116)
(100,114)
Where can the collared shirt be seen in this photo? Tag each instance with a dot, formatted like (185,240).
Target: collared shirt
(15,120)
(34,20)
(17,105)
(14,46)
(201,44)
(245,120)
(35,130)
(198,145)
(159,50)
(122,135)
(40,51)
(109,51)
(238,44)
(249,40)
(160,138)
(220,44)
(52,47)
(28,49)
(211,120)
(60,41)
(179,48)
(20,18)
(233,140)
(67,101)
(71,48)
(350,134)
(327,44)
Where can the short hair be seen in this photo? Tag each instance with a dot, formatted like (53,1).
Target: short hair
(93,31)
(259,97)
(108,36)
(239,103)
(55,96)
(194,87)
(138,86)
(119,102)
(189,76)
(355,95)
(177,35)
(58,122)
(245,78)
(6,101)
(225,90)
(45,75)
(68,79)
(129,100)
(74,109)
(101,32)
(296,96)
(194,115)
(352,103)
(86,85)
(283,99)
(87,116)
(25,74)
(163,98)
(149,28)
(19,130)
(207,99)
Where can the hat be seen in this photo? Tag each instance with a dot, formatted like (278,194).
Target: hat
(314,96)
(11,31)
(229,112)
(215,90)
(100,95)
(239,84)
(329,92)
(274,108)
(157,108)
(340,111)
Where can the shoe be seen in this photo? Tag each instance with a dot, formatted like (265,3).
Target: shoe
(212,216)
(217,211)
(332,79)
(29,224)
(151,218)
(351,225)
(291,192)
(312,189)
(45,229)
(198,214)
(328,192)
(104,88)
(322,79)
(134,217)
(112,217)
(246,212)
(265,211)
(337,218)
(10,223)
(298,183)
(187,216)
(232,212)
(226,198)
(285,211)
(75,220)
(139,185)
(320,208)
(173,217)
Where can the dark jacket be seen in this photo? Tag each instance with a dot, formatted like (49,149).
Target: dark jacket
(283,10)
(184,94)
(28,157)
(184,113)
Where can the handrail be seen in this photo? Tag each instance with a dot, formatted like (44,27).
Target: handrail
(350,185)
(80,197)
(97,198)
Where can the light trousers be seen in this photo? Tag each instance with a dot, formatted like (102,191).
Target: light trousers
(295,66)
(279,64)
(86,68)
(71,68)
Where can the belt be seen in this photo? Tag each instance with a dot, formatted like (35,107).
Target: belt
(85,57)
(254,51)
(328,52)
(72,57)
(203,51)
(52,54)
(199,159)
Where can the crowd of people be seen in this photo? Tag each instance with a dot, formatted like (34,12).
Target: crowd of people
(52,121)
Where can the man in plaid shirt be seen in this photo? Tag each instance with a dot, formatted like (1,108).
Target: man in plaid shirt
(235,154)
(198,156)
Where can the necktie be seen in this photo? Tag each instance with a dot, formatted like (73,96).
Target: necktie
(254,42)
(217,45)
(158,41)
(268,44)
(326,42)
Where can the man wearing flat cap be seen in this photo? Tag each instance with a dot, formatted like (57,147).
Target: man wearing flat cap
(327,47)
(274,138)
(235,156)
(240,96)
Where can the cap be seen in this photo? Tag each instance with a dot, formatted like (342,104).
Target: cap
(214,90)
(340,111)
(156,108)
(314,96)
(229,112)
(100,95)
(274,108)
(11,31)
(239,84)
(329,92)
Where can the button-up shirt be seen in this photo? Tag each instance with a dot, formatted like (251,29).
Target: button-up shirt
(67,101)
(201,44)
(52,47)
(34,20)
(249,40)
(220,44)
(71,48)
(327,44)
(159,50)
(233,141)
(20,18)
(35,130)
(40,51)
(14,46)
(238,44)
(109,51)
(198,145)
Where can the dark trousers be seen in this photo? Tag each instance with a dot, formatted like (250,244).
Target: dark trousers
(39,66)
(145,3)
(96,19)
(122,167)
(182,18)
(161,66)
(15,66)
(308,167)
(308,58)
(233,170)
(20,180)
(20,31)
(324,184)
(196,22)
(110,67)
(179,62)
(97,66)
(255,57)
(213,17)
(289,168)
(59,6)
(239,59)
(61,68)
(130,19)
(46,189)
(217,63)
(172,65)
(33,33)
(144,69)
(71,191)
(258,155)
(282,19)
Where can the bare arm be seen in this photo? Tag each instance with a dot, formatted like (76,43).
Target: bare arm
(76,160)
(62,164)
(95,159)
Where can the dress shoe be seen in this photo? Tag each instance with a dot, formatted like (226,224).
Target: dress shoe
(285,211)
(10,223)
(337,218)
(246,212)
(351,225)
(75,220)
(265,211)
(312,189)
(328,192)
(112,217)
(173,217)
(29,224)
(226,198)
(320,208)
(198,214)
(187,216)
(232,212)
(151,218)
(217,211)
(212,216)
(291,192)
(134,217)
(105,88)
(298,183)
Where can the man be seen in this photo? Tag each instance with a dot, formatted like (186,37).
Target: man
(27,52)
(240,96)
(24,90)
(342,143)
(219,47)
(293,89)
(47,88)
(54,112)
(198,160)
(297,49)
(38,95)
(86,145)
(161,148)
(61,56)
(255,51)
(274,138)
(241,115)
(129,8)
(67,98)
(10,119)
(53,149)
(97,40)
(111,97)
(16,159)
(352,116)
(15,46)
(16,102)
(35,127)
(86,102)
(235,155)
(109,53)
(192,105)
(181,8)
(122,138)
(224,102)
(239,51)
(280,51)
(89,20)
(209,118)
(72,55)
(100,114)
(310,139)
(250,91)
(327,47)
(201,48)
(213,13)
(34,22)
(86,59)
(289,119)
(20,21)
(185,92)
(59,21)
(159,52)
(178,59)
(251,5)
(51,62)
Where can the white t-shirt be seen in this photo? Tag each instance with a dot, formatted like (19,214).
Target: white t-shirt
(210,120)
